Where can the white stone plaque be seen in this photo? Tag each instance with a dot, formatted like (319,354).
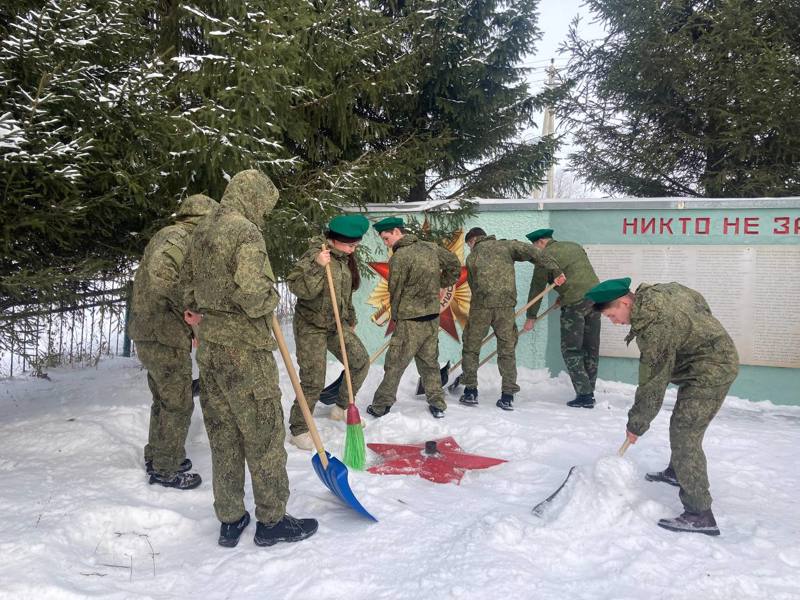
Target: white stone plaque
(754,291)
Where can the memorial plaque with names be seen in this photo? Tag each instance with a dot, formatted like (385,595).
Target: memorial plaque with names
(754,291)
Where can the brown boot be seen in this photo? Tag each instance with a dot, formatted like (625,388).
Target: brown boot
(695,522)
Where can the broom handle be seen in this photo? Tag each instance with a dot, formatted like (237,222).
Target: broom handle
(380,351)
(624,446)
(516,314)
(342,347)
(301,397)
(541,316)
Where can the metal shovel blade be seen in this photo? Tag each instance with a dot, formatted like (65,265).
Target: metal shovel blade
(335,479)
(331,392)
(538,510)
(195,388)
(453,387)
(444,372)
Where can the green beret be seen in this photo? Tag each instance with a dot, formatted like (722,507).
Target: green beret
(539,234)
(388,224)
(609,290)
(349,226)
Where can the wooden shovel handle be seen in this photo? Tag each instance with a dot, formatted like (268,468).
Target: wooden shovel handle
(342,347)
(380,351)
(530,303)
(624,447)
(301,397)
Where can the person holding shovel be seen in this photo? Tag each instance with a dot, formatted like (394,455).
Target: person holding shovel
(418,271)
(492,282)
(682,343)
(164,345)
(580,325)
(314,324)
(230,282)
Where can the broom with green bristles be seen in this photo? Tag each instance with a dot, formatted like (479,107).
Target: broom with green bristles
(355,449)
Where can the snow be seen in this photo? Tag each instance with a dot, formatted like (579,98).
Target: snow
(79,520)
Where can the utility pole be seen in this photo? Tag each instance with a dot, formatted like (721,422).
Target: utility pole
(549,128)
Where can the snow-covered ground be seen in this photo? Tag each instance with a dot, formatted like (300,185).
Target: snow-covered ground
(78,519)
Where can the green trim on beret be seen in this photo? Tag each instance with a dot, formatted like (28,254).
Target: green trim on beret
(351,226)
(539,234)
(388,224)
(609,290)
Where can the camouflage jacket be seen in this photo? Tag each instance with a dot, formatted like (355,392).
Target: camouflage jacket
(227,273)
(157,300)
(490,267)
(574,263)
(417,271)
(307,281)
(680,342)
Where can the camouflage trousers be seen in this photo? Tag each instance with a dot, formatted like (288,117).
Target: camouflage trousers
(417,340)
(694,410)
(242,412)
(169,376)
(580,344)
(312,346)
(502,322)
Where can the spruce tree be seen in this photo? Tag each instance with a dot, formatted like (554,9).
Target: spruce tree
(688,98)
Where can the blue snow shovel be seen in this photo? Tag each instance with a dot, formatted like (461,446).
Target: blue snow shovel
(329,469)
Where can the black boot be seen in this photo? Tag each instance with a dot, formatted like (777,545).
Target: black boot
(469,397)
(372,411)
(288,529)
(582,401)
(667,476)
(506,402)
(180,481)
(437,413)
(184,466)
(229,533)
(692,522)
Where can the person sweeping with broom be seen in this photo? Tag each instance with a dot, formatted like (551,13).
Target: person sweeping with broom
(315,323)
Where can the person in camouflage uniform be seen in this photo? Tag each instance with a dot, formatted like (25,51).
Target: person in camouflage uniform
(314,323)
(164,345)
(682,343)
(493,285)
(228,279)
(580,325)
(418,271)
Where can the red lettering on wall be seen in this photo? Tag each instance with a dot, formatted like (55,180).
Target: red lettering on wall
(728,223)
(632,224)
(751,225)
(648,226)
(665,225)
(684,221)
(781,225)
(700,223)
(797,226)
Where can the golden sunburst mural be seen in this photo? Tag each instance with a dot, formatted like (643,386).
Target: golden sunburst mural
(453,304)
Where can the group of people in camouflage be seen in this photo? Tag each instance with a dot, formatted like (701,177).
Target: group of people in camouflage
(206,280)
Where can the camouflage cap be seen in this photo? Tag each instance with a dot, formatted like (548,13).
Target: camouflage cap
(609,290)
(539,234)
(349,226)
(196,205)
(388,224)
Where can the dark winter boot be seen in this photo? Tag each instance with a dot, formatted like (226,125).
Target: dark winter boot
(184,466)
(582,401)
(372,411)
(288,529)
(693,522)
(506,402)
(180,481)
(437,413)
(667,476)
(469,397)
(229,533)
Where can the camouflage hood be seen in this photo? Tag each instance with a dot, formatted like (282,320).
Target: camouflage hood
(195,208)
(252,194)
